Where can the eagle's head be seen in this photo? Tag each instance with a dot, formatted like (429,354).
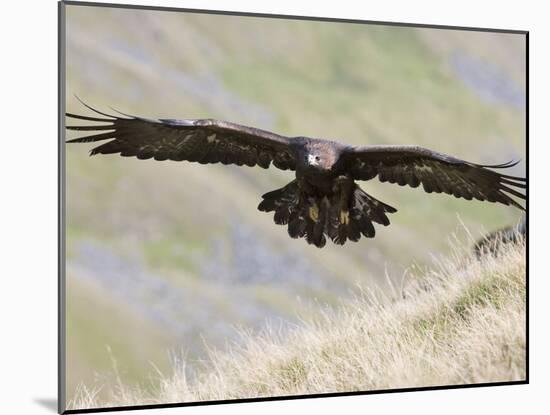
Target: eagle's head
(319,156)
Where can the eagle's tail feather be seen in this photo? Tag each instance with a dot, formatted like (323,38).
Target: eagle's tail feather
(363,211)
(372,208)
(316,218)
(319,213)
(283,201)
(297,224)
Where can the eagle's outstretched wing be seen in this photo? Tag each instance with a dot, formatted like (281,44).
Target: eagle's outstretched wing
(437,172)
(203,141)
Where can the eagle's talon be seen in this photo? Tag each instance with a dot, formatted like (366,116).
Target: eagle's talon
(344,217)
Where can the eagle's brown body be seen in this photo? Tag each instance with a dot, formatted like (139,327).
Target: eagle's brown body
(324,198)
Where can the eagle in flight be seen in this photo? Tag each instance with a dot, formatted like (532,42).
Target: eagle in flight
(324,199)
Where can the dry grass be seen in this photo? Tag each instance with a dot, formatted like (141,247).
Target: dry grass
(461,323)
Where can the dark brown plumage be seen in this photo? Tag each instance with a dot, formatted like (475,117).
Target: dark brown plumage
(495,242)
(323,200)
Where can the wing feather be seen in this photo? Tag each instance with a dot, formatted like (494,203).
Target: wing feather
(203,141)
(436,172)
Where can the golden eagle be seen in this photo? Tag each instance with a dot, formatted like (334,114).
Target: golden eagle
(324,199)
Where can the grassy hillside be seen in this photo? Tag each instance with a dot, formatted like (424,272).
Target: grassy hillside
(462,322)
(161,255)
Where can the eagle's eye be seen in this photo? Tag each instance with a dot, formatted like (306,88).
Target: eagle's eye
(317,158)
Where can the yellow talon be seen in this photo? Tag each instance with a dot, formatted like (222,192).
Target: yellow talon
(314,213)
(344,217)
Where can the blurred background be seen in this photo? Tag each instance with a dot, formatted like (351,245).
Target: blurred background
(167,259)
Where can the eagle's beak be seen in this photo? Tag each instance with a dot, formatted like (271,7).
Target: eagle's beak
(311,160)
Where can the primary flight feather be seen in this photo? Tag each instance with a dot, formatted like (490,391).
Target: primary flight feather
(323,200)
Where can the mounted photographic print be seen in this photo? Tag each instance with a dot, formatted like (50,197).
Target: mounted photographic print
(268,207)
